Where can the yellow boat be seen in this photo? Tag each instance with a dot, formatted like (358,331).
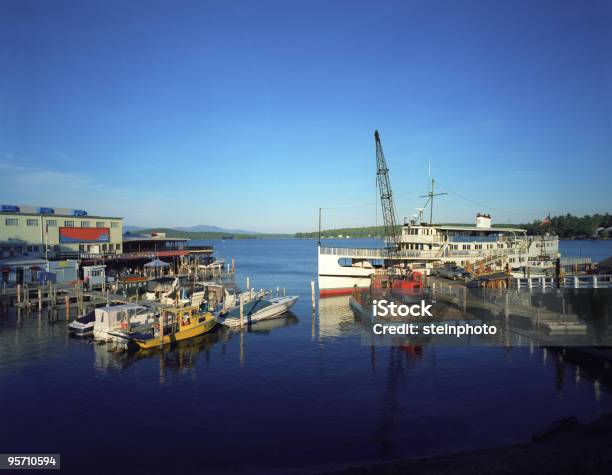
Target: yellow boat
(175,324)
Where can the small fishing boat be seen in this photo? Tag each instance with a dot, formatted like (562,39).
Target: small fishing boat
(83,325)
(174,324)
(256,310)
(120,317)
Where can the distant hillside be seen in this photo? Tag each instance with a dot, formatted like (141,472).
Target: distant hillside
(204,228)
(199,228)
(204,235)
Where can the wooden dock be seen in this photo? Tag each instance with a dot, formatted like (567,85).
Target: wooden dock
(57,298)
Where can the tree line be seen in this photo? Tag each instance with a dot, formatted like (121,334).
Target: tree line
(565,226)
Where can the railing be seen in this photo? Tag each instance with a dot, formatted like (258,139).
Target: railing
(573,261)
(586,281)
(411,253)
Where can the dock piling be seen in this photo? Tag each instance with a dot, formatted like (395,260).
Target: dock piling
(241,311)
(312,289)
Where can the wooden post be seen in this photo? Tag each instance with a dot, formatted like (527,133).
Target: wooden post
(39,298)
(241,312)
(507,306)
(284,292)
(233,265)
(277,291)
(312,289)
(67,304)
(18,293)
(248,283)
(464,298)
(162,317)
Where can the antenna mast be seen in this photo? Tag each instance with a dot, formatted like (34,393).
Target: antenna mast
(430,199)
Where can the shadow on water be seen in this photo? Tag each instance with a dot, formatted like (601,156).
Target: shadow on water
(183,354)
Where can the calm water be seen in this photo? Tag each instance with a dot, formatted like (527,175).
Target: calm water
(300,394)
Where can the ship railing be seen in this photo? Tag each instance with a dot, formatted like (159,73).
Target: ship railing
(573,261)
(586,281)
(374,253)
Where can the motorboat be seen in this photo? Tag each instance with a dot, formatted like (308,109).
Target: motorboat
(120,317)
(172,325)
(83,325)
(256,310)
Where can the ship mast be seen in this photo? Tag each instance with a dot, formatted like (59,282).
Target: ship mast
(430,199)
(386,198)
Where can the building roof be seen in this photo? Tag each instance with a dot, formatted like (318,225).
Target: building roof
(605,264)
(57,215)
(141,238)
(476,228)
(22,261)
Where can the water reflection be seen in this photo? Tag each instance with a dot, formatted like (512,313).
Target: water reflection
(569,364)
(183,355)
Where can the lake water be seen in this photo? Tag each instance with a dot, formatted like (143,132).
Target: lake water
(295,395)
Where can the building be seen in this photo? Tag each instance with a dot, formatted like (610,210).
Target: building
(56,233)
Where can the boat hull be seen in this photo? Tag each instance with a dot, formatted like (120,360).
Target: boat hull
(277,308)
(200,329)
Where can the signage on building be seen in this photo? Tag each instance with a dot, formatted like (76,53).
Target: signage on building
(83,235)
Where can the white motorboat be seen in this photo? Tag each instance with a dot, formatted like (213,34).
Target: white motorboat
(120,317)
(83,325)
(256,310)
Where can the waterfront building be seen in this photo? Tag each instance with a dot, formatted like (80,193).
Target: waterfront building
(56,233)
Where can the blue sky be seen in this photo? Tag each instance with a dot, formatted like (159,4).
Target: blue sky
(253,115)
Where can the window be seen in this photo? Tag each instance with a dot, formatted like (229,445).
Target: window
(69,224)
(99,224)
(114,225)
(52,222)
(32,222)
(84,224)
(81,247)
(11,221)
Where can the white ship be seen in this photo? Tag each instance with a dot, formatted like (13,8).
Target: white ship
(423,246)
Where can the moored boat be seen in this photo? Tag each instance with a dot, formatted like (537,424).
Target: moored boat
(173,324)
(120,317)
(256,310)
(83,325)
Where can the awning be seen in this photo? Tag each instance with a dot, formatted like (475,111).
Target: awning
(156,264)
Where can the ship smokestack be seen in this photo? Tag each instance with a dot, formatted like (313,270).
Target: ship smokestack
(483,220)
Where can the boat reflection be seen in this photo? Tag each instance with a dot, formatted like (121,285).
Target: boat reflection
(183,355)
(336,318)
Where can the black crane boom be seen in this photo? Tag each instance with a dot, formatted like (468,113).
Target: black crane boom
(386,197)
